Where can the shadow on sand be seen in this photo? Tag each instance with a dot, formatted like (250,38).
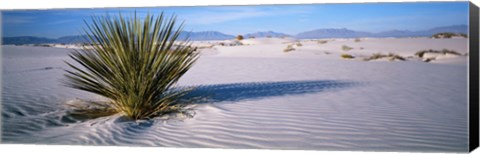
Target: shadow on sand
(233,92)
(229,93)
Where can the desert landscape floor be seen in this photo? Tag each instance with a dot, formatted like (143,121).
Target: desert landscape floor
(262,97)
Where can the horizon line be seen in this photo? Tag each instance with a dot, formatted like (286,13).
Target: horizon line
(263,31)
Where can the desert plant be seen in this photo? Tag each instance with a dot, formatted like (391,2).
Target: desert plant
(374,56)
(322,41)
(239,37)
(134,63)
(429,59)
(448,35)
(347,56)
(346,48)
(298,44)
(390,56)
(393,57)
(289,48)
(443,51)
(357,40)
(205,47)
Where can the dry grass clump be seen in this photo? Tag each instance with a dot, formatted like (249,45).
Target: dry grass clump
(375,56)
(322,41)
(443,51)
(396,57)
(289,48)
(239,37)
(42,45)
(205,47)
(346,48)
(390,56)
(347,56)
(429,59)
(357,40)
(298,44)
(421,54)
(134,63)
(448,35)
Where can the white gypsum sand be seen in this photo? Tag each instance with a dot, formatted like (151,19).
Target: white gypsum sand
(263,97)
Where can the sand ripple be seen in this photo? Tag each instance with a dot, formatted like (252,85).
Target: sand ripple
(279,107)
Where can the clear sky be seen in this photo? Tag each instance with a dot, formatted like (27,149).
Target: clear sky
(289,19)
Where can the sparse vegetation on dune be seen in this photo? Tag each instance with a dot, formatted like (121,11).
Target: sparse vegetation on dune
(289,48)
(421,54)
(449,35)
(347,56)
(134,64)
(429,59)
(239,37)
(42,45)
(346,48)
(205,47)
(298,44)
(390,57)
(357,40)
(322,41)
(443,51)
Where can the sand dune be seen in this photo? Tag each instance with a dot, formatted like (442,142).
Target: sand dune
(361,48)
(257,96)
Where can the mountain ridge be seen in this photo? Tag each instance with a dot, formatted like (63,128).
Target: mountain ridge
(347,33)
(215,35)
(266,34)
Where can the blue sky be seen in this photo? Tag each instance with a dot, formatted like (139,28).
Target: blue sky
(289,19)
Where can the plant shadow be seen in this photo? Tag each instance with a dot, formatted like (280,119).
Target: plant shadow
(234,92)
(230,93)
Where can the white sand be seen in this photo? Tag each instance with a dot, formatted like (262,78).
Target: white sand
(262,97)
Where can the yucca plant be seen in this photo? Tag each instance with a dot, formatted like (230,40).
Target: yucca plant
(134,63)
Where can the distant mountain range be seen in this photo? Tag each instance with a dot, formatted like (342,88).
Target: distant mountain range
(214,35)
(332,33)
(346,33)
(19,40)
(72,39)
(26,40)
(206,35)
(266,34)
